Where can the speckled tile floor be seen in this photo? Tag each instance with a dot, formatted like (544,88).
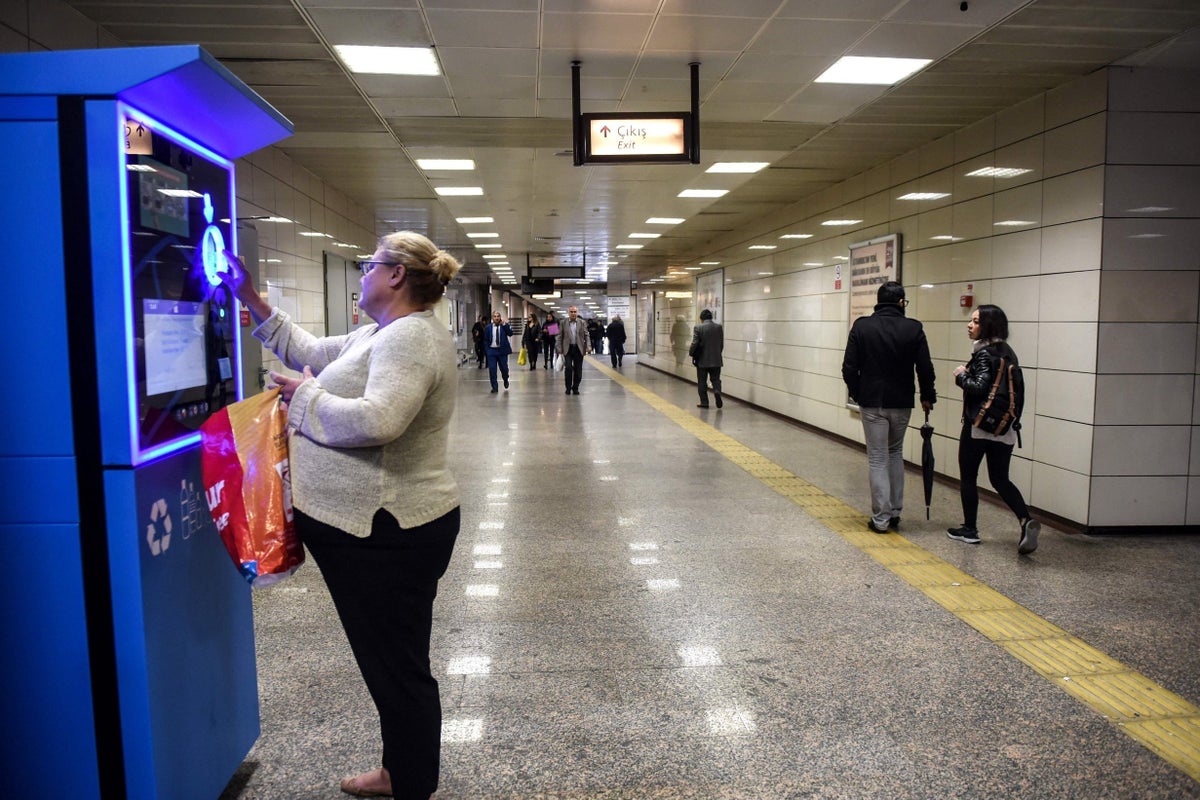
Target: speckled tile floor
(629,614)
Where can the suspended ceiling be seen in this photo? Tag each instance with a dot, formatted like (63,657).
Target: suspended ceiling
(504,100)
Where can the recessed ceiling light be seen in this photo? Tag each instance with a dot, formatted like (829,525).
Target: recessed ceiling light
(709,263)
(483,236)
(630,246)
(692,269)
(923,196)
(445,163)
(314,234)
(703,193)
(871,70)
(489,246)
(997,172)
(796,236)
(459,191)
(644,235)
(738,166)
(472,220)
(836,222)
(763,246)
(494,255)
(371,60)
(664,220)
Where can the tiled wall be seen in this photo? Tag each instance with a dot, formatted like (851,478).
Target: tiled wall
(269,183)
(1100,288)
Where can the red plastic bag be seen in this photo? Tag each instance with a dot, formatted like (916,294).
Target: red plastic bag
(244,462)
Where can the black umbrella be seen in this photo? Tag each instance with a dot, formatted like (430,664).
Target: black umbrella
(927,461)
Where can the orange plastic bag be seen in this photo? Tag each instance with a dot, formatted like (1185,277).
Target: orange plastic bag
(244,462)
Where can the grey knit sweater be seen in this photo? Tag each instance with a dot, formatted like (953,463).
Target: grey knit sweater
(370,431)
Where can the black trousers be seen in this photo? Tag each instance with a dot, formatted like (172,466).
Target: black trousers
(971,453)
(703,374)
(573,369)
(383,587)
(616,352)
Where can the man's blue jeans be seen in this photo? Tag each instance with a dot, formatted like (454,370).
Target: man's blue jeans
(884,430)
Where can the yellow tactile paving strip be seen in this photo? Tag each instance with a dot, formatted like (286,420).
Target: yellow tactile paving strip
(1160,720)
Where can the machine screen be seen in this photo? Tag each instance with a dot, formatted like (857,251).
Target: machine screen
(179,207)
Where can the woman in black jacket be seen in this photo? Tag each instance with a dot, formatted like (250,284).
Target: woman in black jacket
(988,328)
(549,338)
(531,339)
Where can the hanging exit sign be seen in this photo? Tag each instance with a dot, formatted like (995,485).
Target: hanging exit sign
(637,138)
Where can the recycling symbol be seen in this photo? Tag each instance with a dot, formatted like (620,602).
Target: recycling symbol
(158,532)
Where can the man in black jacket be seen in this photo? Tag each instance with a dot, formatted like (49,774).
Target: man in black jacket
(881,354)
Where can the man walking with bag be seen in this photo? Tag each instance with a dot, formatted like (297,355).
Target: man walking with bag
(708,342)
(881,354)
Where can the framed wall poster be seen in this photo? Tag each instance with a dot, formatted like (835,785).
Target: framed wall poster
(710,294)
(872,264)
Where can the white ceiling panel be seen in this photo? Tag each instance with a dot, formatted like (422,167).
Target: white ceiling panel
(505,99)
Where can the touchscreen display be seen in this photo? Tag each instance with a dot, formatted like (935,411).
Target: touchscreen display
(179,206)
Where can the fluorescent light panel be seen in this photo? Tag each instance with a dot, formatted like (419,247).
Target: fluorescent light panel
(473,220)
(459,191)
(445,163)
(997,172)
(371,60)
(703,193)
(741,167)
(664,220)
(871,70)
(923,196)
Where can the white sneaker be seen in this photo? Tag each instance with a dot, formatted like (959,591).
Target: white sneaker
(1029,536)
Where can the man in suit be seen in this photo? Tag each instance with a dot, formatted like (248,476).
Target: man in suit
(498,348)
(881,354)
(708,342)
(573,344)
(616,341)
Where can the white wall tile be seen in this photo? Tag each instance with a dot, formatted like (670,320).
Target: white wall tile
(1141,450)
(1017,253)
(1153,138)
(1155,244)
(1146,296)
(1153,190)
(1074,196)
(1144,399)
(1070,297)
(1067,346)
(1059,491)
(1146,89)
(1023,203)
(1021,121)
(1026,154)
(1063,443)
(1138,501)
(1077,99)
(1073,246)
(1019,297)
(975,140)
(973,218)
(1075,146)
(1066,395)
(1147,347)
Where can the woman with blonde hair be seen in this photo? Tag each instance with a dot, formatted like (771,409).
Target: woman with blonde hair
(375,502)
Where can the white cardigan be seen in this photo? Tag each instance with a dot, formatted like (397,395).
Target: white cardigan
(370,431)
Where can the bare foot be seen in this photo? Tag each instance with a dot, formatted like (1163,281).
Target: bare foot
(376,783)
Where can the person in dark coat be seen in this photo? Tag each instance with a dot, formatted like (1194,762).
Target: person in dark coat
(495,337)
(881,354)
(616,341)
(531,340)
(549,338)
(596,334)
(477,338)
(708,342)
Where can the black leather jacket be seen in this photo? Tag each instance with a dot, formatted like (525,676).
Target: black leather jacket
(977,381)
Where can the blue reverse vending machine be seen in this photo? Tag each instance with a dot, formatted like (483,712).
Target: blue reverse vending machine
(127,664)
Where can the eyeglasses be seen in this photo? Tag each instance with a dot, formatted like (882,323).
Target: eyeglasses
(903,303)
(367,266)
